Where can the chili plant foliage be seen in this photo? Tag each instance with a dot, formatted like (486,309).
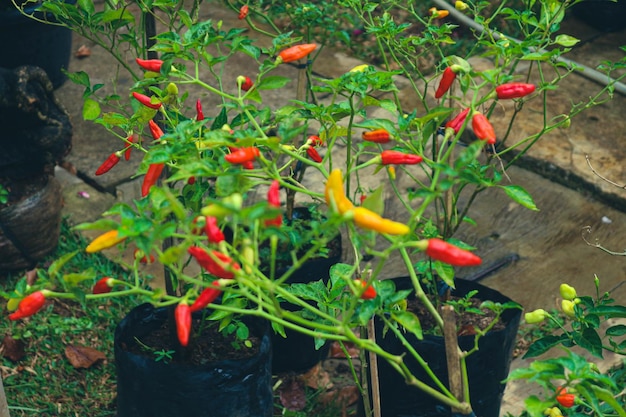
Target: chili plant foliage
(207,170)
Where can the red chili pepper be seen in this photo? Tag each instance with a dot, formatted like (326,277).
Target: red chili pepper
(103,286)
(145,259)
(565,399)
(151,177)
(146,101)
(109,163)
(191,180)
(376,136)
(457,123)
(296,52)
(453,255)
(242,155)
(446,81)
(514,90)
(273,198)
(313,154)
(207,296)
(182,316)
(129,147)
(399,158)
(370,291)
(29,305)
(212,230)
(483,128)
(153,65)
(199,113)
(216,263)
(315,140)
(247,84)
(243,12)
(155,130)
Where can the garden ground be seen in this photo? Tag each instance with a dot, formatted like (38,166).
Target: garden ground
(544,248)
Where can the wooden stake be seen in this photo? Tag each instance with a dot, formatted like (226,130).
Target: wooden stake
(4,406)
(455,378)
(375,383)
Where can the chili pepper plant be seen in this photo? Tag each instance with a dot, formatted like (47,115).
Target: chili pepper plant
(572,383)
(219,182)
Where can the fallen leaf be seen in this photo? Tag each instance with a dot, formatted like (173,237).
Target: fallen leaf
(292,395)
(337,352)
(83,356)
(317,378)
(344,396)
(31,276)
(83,52)
(13,348)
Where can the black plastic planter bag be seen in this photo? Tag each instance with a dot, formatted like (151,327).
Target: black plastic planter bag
(29,42)
(487,367)
(230,388)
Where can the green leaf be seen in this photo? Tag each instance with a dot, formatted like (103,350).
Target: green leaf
(520,196)
(220,120)
(91,109)
(589,340)
(617,330)
(375,201)
(542,346)
(409,321)
(56,266)
(566,40)
(74,279)
(609,311)
(273,82)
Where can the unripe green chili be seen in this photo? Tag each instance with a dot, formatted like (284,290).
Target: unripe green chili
(567,292)
(536,316)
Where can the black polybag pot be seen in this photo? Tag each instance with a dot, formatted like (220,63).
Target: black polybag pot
(604,15)
(229,388)
(487,367)
(297,352)
(25,41)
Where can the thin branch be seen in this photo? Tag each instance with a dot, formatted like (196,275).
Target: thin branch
(623,187)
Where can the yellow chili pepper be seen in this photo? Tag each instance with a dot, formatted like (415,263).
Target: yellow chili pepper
(438,14)
(105,241)
(367,219)
(334,192)
(460,5)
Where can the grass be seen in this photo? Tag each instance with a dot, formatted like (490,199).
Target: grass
(43,382)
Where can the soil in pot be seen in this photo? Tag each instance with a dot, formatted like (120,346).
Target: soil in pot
(486,368)
(204,384)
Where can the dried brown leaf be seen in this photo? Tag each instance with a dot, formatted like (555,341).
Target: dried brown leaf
(337,352)
(317,378)
(31,276)
(292,395)
(83,356)
(344,396)
(83,52)
(13,349)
